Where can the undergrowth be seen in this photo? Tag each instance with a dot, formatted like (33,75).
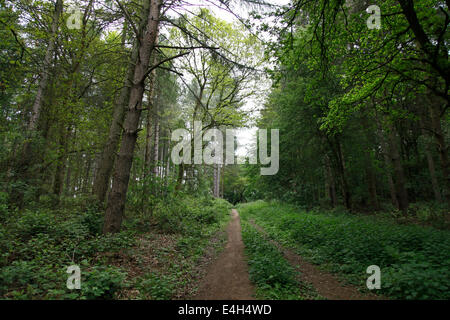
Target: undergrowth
(39,243)
(414,260)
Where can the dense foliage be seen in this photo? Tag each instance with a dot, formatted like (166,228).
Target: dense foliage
(413,260)
(39,244)
(362,113)
(93,95)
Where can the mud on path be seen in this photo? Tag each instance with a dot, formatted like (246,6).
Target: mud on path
(227,278)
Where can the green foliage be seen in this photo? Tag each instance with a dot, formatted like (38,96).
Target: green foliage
(38,245)
(271,273)
(3,206)
(102,282)
(152,286)
(413,260)
(189,215)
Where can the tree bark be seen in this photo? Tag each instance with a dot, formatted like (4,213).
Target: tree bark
(331,185)
(442,147)
(400,180)
(44,75)
(106,161)
(58,183)
(116,200)
(431,165)
(387,162)
(180,177)
(341,166)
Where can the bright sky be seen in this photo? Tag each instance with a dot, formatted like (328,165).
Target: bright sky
(246,136)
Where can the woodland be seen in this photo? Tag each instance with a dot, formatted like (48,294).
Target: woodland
(92,93)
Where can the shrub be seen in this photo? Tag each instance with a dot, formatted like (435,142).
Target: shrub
(102,282)
(155,287)
(32,222)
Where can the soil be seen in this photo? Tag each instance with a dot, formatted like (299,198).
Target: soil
(227,278)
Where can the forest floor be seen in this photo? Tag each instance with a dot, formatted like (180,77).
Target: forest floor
(227,278)
(325,284)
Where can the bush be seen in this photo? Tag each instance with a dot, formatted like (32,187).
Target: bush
(189,215)
(155,287)
(3,206)
(102,282)
(30,223)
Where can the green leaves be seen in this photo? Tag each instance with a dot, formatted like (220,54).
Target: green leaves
(414,260)
(272,274)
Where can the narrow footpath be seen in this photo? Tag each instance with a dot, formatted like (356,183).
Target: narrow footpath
(227,278)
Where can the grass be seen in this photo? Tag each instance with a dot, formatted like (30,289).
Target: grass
(414,260)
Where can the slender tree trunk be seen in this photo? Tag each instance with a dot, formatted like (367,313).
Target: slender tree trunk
(107,157)
(345,188)
(215,181)
(116,201)
(156,143)
(400,180)
(151,112)
(387,162)
(45,73)
(331,185)
(87,174)
(371,181)
(180,177)
(222,179)
(149,128)
(62,161)
(442,147)
(431,165)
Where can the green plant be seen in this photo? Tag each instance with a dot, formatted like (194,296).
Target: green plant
(102,282)
(156,287)
(412,258)
(271,273)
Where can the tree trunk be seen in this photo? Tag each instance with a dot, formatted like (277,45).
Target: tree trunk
(400,180)
(341,166)
(442,148)
(431,165)
(58,183)
(44,75)
(331,185)
(116,201)
(371,181)
(387,162)
(151,116)
(106,161)
(180,177)
(156,143)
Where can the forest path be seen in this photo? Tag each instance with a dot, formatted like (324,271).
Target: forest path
(326,284)
(227,278)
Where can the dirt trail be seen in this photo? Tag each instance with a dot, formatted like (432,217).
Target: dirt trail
(227,278)
(326,284)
